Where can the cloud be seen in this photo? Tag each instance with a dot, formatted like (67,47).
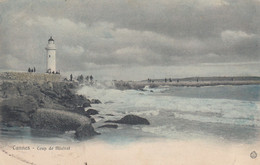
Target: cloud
(230,37)
(149,33)
(10,61)
(57,26)
(73,50)
(214,3)
(202,4)
(232,63)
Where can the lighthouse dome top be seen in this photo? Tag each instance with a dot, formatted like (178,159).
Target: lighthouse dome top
(50,45)
(51,39)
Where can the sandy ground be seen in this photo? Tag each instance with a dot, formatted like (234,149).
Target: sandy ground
(160,152)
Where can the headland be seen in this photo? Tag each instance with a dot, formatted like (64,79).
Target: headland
(49,103)
(43,102)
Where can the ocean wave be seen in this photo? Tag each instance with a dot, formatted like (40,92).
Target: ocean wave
(162,108)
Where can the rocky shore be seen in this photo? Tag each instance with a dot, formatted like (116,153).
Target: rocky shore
(50,106)
(44,105)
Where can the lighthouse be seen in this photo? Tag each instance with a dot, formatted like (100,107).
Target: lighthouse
(51,56)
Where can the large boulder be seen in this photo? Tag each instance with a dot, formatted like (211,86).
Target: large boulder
(88,113)
(85,131)
(132,120)
(61,121)
(91,112)
(18,111)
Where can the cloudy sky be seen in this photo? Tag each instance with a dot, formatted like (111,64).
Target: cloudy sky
(133,39)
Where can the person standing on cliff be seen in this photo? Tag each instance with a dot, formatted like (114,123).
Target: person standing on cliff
(71,77)
(34,70)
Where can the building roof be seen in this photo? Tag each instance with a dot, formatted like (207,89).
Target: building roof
(51,39)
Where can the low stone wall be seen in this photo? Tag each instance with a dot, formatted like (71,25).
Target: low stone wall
(25,76)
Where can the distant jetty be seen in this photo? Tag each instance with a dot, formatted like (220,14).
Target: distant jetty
(187,82)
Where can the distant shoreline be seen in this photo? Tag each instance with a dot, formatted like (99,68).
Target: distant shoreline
(187,82)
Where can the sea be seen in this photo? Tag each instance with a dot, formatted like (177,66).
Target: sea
(225,113)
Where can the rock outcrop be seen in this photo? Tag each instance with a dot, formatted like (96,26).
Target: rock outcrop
(130,119)
(87,104)
(61,121)
(85,131)
(18,111)
(90,112)
(49,105)
(56,95)
(52,106)
(95,101)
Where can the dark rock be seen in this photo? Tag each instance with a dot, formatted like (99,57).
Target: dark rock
(95,101)
(109,126)
(110,115)
(85,131)
(131,119)
(92,120)
(45,106)
(62,94)
(57,120)
(61,121)
(91,112)
(9,90)
(80,110)
(86,104)
(50,94)
(88,113)
(80,100)
(18,110)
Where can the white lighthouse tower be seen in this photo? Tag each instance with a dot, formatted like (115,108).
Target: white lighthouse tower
(51,56)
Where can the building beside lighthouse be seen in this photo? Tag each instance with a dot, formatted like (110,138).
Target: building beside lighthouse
(51,56)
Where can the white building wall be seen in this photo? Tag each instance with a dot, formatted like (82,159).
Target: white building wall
(51,57)
(51,60)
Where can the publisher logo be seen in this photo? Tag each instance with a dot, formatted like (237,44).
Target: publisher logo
(253,154)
